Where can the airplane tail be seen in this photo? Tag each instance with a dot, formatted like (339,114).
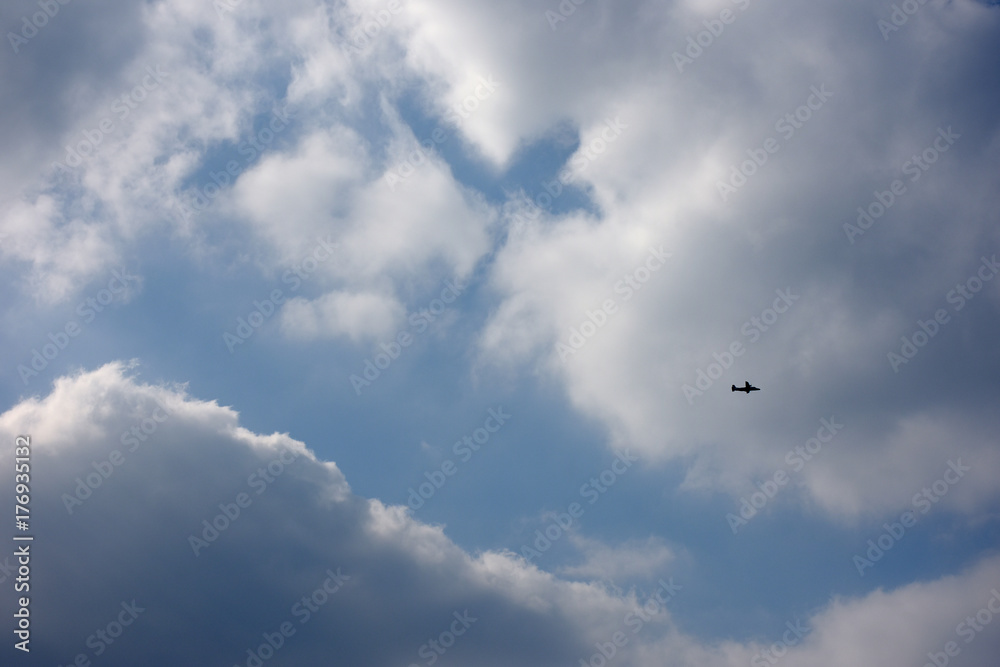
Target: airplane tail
(734,387)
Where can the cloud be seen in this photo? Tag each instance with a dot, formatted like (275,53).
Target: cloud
(635,559)
(62,251)
(357,316)
(782,230)
(389,238)
(126,527)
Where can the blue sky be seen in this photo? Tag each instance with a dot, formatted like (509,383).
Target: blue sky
(593,225)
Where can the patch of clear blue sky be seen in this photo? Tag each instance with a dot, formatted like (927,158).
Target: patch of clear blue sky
(532,166)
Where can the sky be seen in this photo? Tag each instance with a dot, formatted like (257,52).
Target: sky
(398,333)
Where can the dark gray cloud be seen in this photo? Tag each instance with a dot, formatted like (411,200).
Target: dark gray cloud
(69,66)
(130,533)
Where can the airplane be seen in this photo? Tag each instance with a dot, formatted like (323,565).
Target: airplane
(747,388)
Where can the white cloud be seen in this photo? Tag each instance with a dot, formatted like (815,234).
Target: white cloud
(291,197)
(356,316)
(634,559)
(61,254)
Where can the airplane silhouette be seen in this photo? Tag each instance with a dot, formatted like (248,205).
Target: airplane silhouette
(747,388)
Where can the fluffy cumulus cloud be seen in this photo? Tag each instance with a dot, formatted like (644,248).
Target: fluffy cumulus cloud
(775,275)
(165,503)
(169,524)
